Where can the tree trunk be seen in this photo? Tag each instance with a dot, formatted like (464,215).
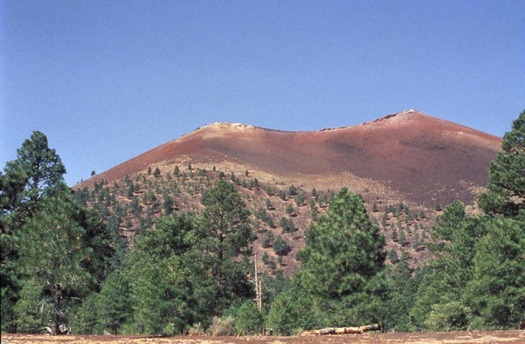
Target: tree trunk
(341,330)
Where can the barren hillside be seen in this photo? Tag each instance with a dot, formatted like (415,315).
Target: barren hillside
(418,157)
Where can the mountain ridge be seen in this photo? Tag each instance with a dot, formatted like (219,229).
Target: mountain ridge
(403,165)
(409,151)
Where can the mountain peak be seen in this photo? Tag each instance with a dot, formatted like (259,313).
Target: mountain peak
(230,125)
(419,156)
(403,115)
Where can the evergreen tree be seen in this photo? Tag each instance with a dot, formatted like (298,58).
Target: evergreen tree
(103,239)
(32,311)
(226,236)
(52,246)
(268,240)
(440,303)
(341,282)
(249,320)
(167,205)
(280,246)
(506,186)
(113,302)
(159,293)
(36,172)
(167,283)
(496,292)
(84,317)
(54,256)
(343,249)
(156,173)
(401,290)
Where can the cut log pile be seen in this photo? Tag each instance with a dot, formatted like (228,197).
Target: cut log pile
(341,330)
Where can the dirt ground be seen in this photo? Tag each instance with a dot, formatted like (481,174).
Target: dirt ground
(369,338)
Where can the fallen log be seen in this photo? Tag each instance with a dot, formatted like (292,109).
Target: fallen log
(341,330)
(373,327)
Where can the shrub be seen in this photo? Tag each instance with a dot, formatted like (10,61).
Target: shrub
(222,326)
(196,330)
(449,316)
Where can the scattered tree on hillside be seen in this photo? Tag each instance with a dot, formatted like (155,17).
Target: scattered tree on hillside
(280,246)
(156,173)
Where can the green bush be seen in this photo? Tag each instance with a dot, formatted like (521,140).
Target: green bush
(447,317)
(249,319)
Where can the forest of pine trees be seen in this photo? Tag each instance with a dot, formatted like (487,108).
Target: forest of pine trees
(68,258)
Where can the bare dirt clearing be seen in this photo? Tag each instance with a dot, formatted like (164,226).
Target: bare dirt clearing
(437,337)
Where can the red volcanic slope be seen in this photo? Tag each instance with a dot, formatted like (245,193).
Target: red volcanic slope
(424,158)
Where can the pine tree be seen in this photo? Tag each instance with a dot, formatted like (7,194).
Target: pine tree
(440,302)
(249,320)
(34,174)
(160,293)
(347,231)
(156,173)
(54,256)
(496,292)
(37,171)
(167,283)
(226,235)
(280,246)
(343,261)
(506,186)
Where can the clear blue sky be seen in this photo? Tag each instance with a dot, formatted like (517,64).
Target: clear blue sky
(108,80)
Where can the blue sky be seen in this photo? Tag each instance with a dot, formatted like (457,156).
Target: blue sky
(108,80)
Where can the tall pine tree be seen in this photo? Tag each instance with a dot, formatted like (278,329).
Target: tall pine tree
(341,282)
(36,172)
(54,257)
(226,236)
(506,186)
(496,292)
